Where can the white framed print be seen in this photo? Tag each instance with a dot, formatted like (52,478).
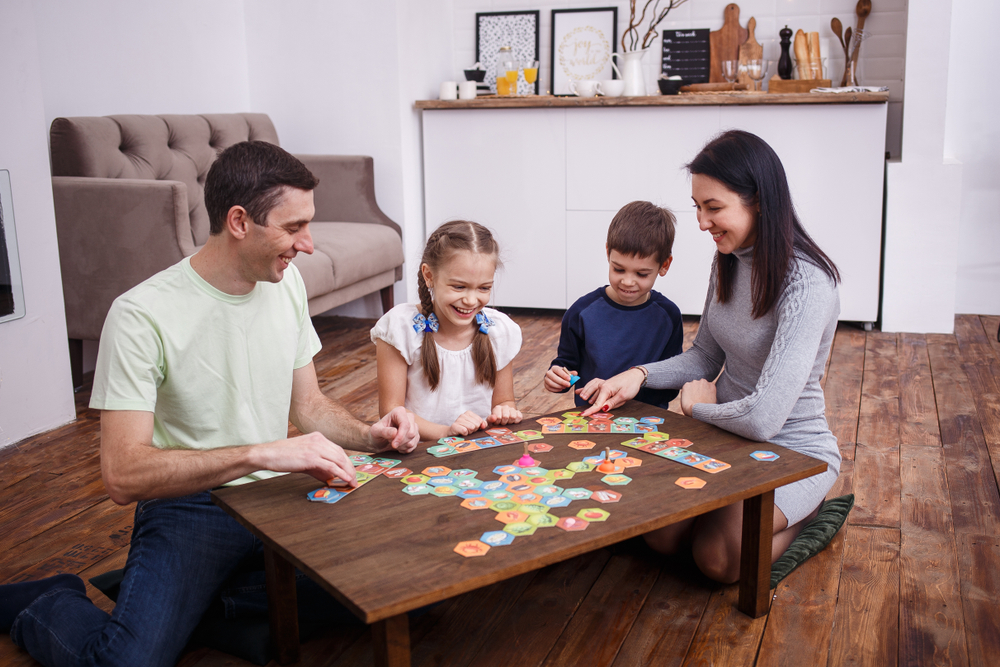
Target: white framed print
(582,43)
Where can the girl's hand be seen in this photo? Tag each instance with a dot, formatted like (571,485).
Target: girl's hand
(467,422)
(699,391)
(504,414)
(557,379)
(614,392)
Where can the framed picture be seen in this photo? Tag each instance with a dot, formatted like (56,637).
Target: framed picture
(582,43)
(11,290)
(519,31)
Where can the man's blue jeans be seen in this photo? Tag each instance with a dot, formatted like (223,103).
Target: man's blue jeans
(186,554)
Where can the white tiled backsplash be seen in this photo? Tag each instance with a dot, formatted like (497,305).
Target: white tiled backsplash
(880,62)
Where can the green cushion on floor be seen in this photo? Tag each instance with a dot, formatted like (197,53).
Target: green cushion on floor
(813,538)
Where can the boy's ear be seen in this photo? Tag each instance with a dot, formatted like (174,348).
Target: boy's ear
(607,251)
(666,266)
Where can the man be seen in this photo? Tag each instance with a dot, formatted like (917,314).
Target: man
(199,371)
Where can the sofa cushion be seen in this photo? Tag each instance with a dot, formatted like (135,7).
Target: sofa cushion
(317,272)
(166,148)
(357,250)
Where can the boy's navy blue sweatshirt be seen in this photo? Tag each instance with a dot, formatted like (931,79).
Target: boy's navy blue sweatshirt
(601,338)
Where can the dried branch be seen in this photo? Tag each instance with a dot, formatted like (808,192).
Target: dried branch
(656,18)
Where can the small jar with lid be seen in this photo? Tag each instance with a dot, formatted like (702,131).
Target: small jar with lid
(506,72)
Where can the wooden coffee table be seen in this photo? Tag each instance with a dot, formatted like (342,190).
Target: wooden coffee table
(383,553)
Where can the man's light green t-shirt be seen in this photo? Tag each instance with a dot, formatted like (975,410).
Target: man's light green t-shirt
(214,369)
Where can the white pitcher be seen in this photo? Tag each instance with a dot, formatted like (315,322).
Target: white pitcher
(635,81)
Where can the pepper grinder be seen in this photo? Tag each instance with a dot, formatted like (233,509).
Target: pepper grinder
(785,60)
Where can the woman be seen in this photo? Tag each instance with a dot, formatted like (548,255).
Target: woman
(769,321)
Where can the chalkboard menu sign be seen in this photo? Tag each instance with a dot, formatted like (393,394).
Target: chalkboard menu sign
(686,53)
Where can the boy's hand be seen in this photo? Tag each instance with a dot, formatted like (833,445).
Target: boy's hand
(504,414)
(558,379)
(467,422)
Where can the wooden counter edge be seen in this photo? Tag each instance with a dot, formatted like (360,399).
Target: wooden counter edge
(687,99)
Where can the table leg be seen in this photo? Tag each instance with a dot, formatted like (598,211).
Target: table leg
(755,555)
(282,607)
(391,640)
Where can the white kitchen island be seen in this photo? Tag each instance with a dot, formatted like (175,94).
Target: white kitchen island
(548,174)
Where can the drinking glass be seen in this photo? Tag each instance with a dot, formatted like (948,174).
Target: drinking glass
(511,69)
(730,70)
(530,74)
(757,70)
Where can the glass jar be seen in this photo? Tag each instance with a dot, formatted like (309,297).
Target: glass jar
(506,72)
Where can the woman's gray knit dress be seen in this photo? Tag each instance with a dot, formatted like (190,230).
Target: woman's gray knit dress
(770,388)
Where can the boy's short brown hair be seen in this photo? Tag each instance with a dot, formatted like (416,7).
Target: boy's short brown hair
(642,229)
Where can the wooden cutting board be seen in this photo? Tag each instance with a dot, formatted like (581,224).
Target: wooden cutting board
(749,50)
(724,44)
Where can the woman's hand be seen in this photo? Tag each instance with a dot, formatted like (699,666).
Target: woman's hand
(504,414)
(613,392)
(467,422)
(699,391)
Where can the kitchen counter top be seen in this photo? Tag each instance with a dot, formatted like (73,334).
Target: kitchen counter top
(734,98)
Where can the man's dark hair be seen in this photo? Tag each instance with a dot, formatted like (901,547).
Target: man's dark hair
(642,229)
(251,174)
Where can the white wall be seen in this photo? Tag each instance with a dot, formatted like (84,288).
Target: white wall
(35,386)
(972,136)
(881,58)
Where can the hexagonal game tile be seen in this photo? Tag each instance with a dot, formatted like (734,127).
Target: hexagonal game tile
(605,496)
(534,508)
(655,436)
(553,428)
(513,478)
(602,415)
(505,505)
(572,414)
(498,430)
(414,479)
(616,480)
(450,440)
(506,470)
(494,485)
(362,477)
(630,462)
(442,481)
(396,473)
(471,548)
(583,444)
(435,471)
(465,446)
(496,538)
(463,472)
(547,421)
(539,448)
(534,471)
(572,523)
(542,520)
(548,490)
(579,466)
(577,494)
(556,501)
(520,529)
(444,491)
(593,514)
(476,503)
(441,450)
(562,473)
(529,497)
(529,434)
(361,459)
(625,420)
(644,428)
(499,495)
(763,455)
(468,483)
(417,489)
(635,443)
(652,420)
(690,482)
(471,493)
(536,481)
(510,516)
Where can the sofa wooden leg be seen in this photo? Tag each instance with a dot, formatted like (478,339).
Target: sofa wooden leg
(387,298)
(76,362)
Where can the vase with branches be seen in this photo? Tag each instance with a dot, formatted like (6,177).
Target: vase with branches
(657,14)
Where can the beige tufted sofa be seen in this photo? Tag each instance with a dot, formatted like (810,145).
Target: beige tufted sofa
(129,202)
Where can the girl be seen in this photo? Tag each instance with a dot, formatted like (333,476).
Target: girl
(448,360)
(768,323)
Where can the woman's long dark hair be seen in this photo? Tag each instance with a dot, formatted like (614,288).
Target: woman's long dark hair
(745,164)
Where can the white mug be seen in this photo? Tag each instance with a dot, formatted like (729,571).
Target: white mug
(467,90)
(449,91)
(584,88)
(611,87)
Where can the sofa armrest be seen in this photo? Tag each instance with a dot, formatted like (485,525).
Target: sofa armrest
(346,191)
(114,233)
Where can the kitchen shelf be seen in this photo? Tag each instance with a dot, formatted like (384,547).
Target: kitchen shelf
(735,98)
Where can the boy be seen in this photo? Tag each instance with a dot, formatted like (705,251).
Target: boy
(626,323)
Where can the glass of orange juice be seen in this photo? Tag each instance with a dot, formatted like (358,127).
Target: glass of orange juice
(531,74)
(511,69)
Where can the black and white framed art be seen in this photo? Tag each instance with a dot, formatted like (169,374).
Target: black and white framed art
(519,31)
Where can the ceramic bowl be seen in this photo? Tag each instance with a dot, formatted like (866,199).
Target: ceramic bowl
(475,74)
(670,86)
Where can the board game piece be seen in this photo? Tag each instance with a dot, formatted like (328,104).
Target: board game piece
(607,466)
(569,523)
(605,496)
(548,421)
(526,461)
(529,435)
(583,444)
(573,379)
(593,514)
(496,538)
(762,455)
(539,448)
(476,503)
(471,548)
(616,480)
(690,482)
(520,529)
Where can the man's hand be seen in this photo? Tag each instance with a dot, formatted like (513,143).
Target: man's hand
(467,422)
(698,391)
(558,379)
(397,430)
(613,392)
(312,454)
(504,414)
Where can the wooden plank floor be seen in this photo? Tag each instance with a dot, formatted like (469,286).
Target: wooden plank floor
(912,579)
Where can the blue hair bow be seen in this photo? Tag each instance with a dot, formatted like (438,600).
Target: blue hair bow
(422,324)
(484,322)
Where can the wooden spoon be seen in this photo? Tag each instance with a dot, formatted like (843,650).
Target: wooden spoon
(847,54)
(838,30)
(863,9)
